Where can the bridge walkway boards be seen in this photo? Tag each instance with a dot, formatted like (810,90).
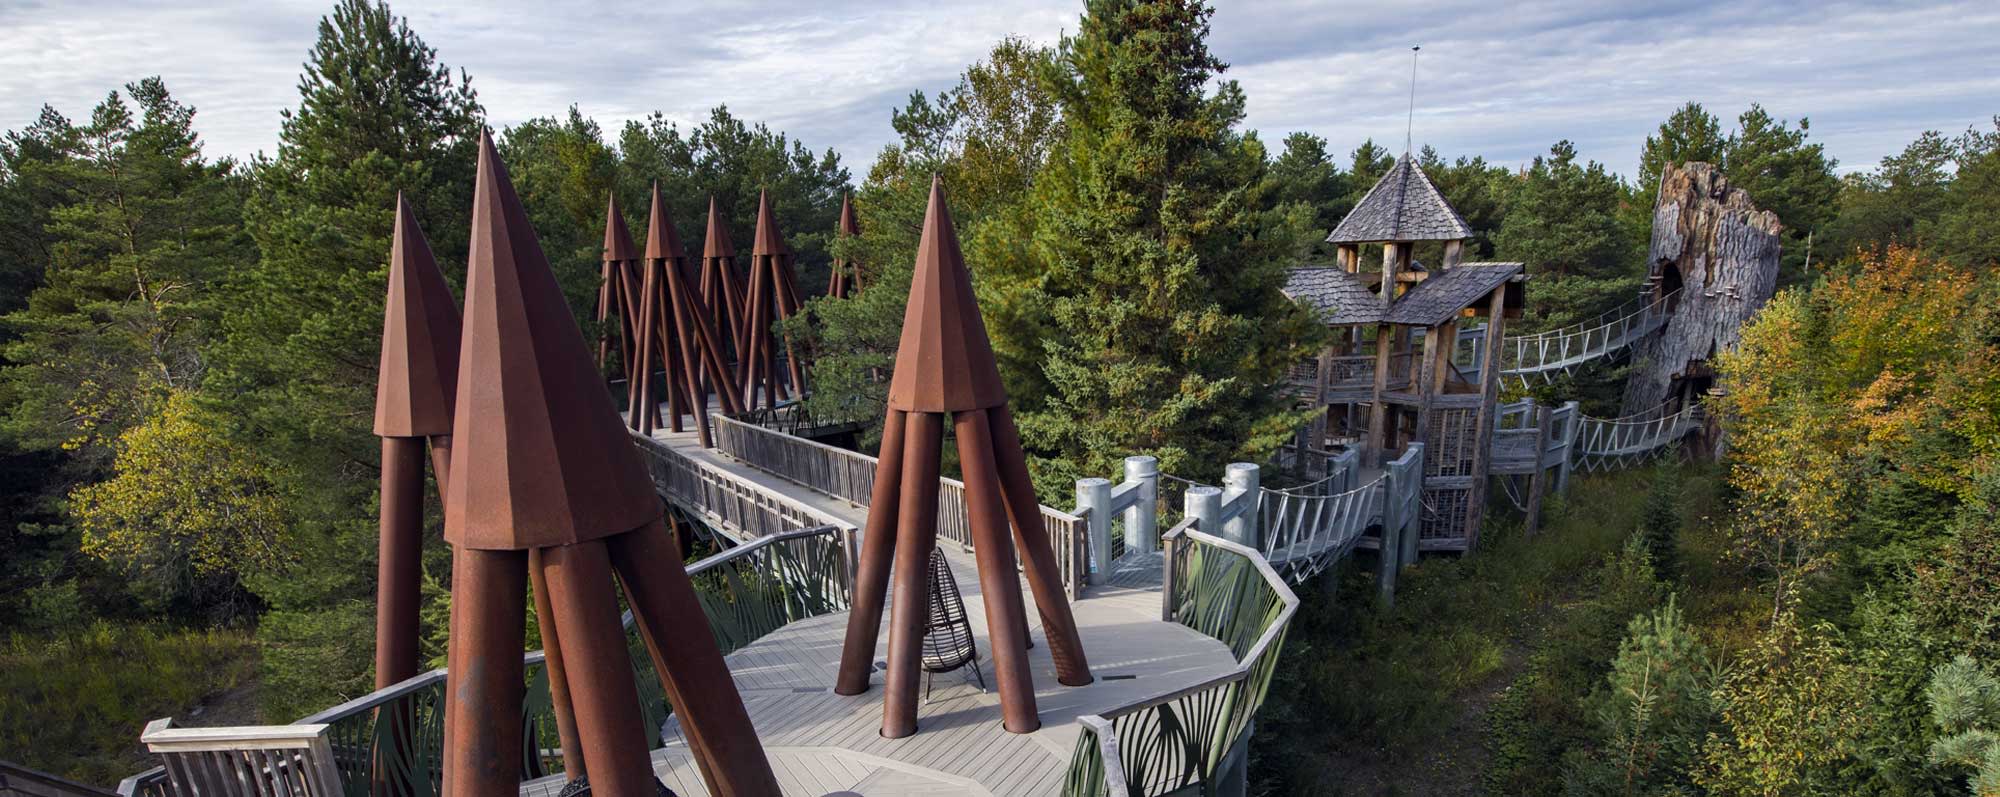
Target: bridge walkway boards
(821,743)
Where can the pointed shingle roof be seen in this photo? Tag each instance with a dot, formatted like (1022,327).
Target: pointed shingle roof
(1339,297)
(1447,292)
(1403,206)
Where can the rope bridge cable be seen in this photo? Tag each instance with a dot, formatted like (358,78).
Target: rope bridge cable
(1604,444)
(1306,532)
(1557,351)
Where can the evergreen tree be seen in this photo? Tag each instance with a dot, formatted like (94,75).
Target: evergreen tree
(1965,704)
(138,227)
(31,162)
(988,138)
(1660,522)
(1480,192)
(294,372)
(1965,231)
(1305,173)
(1366,165)
(1563,220)
(1785,175)
(563,171)
(1161,267)
(1690,134)
(1654,715)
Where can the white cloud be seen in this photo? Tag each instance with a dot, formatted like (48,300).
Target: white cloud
(1503,82)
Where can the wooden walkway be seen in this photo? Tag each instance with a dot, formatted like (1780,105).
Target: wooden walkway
(821,743)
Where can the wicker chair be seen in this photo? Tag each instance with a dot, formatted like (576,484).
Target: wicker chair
(948,641)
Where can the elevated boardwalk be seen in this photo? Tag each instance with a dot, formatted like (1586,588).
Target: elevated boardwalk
(822,743)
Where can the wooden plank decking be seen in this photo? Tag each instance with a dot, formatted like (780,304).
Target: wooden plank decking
(821,743)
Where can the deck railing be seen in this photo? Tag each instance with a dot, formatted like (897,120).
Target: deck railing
(1183,738)
(850,476)
(747,592)
(740,508)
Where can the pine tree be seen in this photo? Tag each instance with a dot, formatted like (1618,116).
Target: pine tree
(135,227)
(1660,520)
(1690,134)
(1161,266)
(294,372)
(1785,175)
(1563,220)
(1305,173)
(1965,704)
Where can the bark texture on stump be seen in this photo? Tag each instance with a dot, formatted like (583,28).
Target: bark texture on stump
(1721,252)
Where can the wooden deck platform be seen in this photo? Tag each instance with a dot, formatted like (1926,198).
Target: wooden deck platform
(821,743)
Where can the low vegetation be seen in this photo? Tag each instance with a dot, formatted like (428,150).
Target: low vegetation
(73,704)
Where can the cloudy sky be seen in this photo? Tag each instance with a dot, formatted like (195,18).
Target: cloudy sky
(1500,80)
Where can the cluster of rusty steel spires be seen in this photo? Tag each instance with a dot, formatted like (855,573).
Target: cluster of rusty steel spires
(945,365)
(673,326)
(727,320)
(543,484)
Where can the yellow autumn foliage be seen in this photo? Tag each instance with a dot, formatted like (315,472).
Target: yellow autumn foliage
(182,497)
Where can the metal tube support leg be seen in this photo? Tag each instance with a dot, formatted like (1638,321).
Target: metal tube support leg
(1006,614)
(484,685)
(602,692)
(671,623)
(574,765)
(916,535)
(1242,479)
(399,565)
(878,550)
(1037,555)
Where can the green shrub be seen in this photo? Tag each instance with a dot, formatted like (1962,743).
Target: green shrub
(74,704)
(1652,716)
(1543,713)
(1965,703)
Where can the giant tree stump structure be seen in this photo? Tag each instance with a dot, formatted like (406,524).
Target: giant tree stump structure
(545,478)
(414,392)
(945,366)
(1720,253)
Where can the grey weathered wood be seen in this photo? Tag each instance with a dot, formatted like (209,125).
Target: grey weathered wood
(1724,251)
(1538,479)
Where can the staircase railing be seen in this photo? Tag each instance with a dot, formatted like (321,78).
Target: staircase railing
(746,592)
(1184,737)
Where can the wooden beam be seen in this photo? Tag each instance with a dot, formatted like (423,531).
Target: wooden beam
(1489,394)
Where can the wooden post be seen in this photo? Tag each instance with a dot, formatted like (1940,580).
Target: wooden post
(1538,479)
(1570,430)
(1489,393)
(1378,413)
(1454,251)
(1386,561)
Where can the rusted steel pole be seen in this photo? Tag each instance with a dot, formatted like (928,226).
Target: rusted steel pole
(1037,555)
(878,549)
(601,688)
(574,765)
(441,461)
(642,405)
(482,754)
(399,565)
(1006,615)
(916,534)
(704,695)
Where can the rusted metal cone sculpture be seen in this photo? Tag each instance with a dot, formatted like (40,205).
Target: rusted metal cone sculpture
(845,277)
(773,296)
(413,403)
(617,290)
(945,365)
(545,477)
(677,331)
(721,287)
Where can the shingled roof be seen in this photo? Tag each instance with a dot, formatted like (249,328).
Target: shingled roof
(1448,291)
(1403,206)
(1336,294)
